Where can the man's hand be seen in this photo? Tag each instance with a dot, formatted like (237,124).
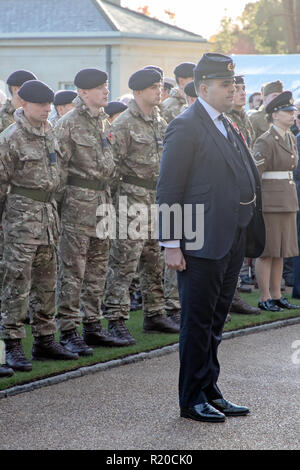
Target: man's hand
(174,259)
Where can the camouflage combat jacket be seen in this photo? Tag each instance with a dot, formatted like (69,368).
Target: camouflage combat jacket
(241,119)
(172,106)
(29,158)
(87,155)
(6,115)
(137,145)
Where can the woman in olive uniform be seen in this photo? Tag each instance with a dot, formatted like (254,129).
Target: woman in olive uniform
(276,157)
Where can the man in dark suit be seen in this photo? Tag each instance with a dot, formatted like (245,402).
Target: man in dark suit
(208,173)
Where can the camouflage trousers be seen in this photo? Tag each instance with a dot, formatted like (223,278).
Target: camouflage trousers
(171,294)
(126,256)
(29,277)
(81,280)
(1,263)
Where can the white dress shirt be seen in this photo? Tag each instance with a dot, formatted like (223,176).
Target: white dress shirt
(214,115)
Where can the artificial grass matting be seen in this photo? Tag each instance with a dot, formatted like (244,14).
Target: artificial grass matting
(145,342)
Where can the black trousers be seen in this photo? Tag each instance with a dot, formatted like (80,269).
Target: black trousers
(206,290)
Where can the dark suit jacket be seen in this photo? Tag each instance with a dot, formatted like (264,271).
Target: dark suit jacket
(197,167)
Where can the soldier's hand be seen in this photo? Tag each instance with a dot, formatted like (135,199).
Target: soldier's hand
(174,259)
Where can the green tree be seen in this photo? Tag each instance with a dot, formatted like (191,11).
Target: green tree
(266,27)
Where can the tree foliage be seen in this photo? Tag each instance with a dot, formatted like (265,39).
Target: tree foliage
(265,27)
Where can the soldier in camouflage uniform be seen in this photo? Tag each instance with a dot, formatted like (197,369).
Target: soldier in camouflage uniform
(171,107)
(258,119)
(238,115)
(28,163)
(87,169)
(137,143)
(63,103)
(14,82)
(190,95)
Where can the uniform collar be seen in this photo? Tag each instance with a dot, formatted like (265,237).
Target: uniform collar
(136,111)
(23,122)
(84,109)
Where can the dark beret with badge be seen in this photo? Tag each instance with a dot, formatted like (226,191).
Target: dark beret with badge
(189,90)
(282,102)
(215,66)
(143,79)
(115,107)
(88,79)
(184,70)
(19,77)
(62,97)
(155,67)
(35,91)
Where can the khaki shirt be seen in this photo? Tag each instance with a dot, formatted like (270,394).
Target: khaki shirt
(25,161)
(172,106)
(85,144)
(272,153)
(259,122)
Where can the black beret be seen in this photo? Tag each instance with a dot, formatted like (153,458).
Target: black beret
(35,91)
(87,79)
(185,70)
(115,107)
(155,67)
(282,102)
(143,79)
(189,90)
(64,97)
(239,80)
(19,77)
(214,65)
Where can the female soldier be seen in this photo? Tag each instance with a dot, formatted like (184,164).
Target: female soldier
(276,157)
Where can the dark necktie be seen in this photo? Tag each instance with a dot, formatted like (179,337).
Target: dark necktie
(230,134)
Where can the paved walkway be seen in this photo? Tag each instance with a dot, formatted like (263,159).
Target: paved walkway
(135,406)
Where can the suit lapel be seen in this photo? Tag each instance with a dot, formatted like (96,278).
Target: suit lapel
(214,132)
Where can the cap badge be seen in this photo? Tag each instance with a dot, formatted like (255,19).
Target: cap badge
(230,67)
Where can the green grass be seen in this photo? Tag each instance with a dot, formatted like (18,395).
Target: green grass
(145,342)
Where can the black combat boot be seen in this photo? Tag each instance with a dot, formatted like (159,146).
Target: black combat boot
(94,335)
(6,371)
(175,316)
(45,347)
(159,324)
(72,341)
(118,329)
(15,357)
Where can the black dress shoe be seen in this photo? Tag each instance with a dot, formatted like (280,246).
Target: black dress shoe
(203,412)
(270,306)
(229,409)
(284,303)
